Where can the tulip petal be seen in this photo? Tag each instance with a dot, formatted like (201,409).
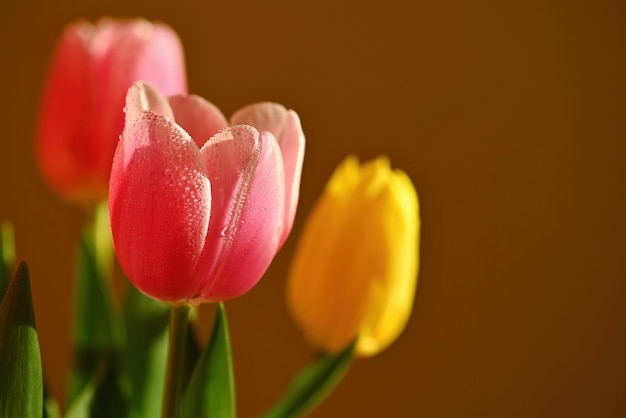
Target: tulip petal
(285,126)
(138,50)
(246,173)
(141,97)
(126,51)
(369,216)
(200,118)
(63,155)
(81,114)
(327,251)
(390,299)
(159,206)
(168,75)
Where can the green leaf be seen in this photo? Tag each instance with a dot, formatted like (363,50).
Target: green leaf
(95,390)
(100,231)
(7,256)
(211,390)
(109,400)
(80,405)
(94,321)
(21,379)
(312,384)
(192,351)
(145,357)
(102,396)
(146,351)
(50,405)
(51,408)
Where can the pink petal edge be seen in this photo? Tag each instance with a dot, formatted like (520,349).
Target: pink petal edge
(286,127)
(246,174)
(199,117)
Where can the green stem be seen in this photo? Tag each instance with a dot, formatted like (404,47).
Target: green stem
(179,318)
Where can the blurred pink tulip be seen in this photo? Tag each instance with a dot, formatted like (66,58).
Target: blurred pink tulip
(197,220)
(81,113)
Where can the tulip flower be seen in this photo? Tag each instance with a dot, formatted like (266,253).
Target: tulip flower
(354,271)
(198,208)
(81,113)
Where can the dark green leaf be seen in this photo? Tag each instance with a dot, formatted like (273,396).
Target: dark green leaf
(81,403)
(94,321)
(109,400)
(21,380)
(102,396)
(192,352)
(211,390)
(146,351)
(7,256)
(145,357)
(313,384)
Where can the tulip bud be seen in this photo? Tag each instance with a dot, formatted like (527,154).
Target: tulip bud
(354,271)
(81,113)
(196,220)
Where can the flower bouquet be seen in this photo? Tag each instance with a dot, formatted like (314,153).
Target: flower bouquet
(192,207)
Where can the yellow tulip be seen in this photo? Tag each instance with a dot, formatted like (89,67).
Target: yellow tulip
(354,271)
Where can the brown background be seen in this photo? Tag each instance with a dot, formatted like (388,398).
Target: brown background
(510,119)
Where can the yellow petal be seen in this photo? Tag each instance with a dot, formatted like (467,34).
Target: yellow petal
(355,269)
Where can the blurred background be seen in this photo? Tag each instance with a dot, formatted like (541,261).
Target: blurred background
(511,121)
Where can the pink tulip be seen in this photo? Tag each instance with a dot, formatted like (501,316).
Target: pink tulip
(198,220)
(81,114)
